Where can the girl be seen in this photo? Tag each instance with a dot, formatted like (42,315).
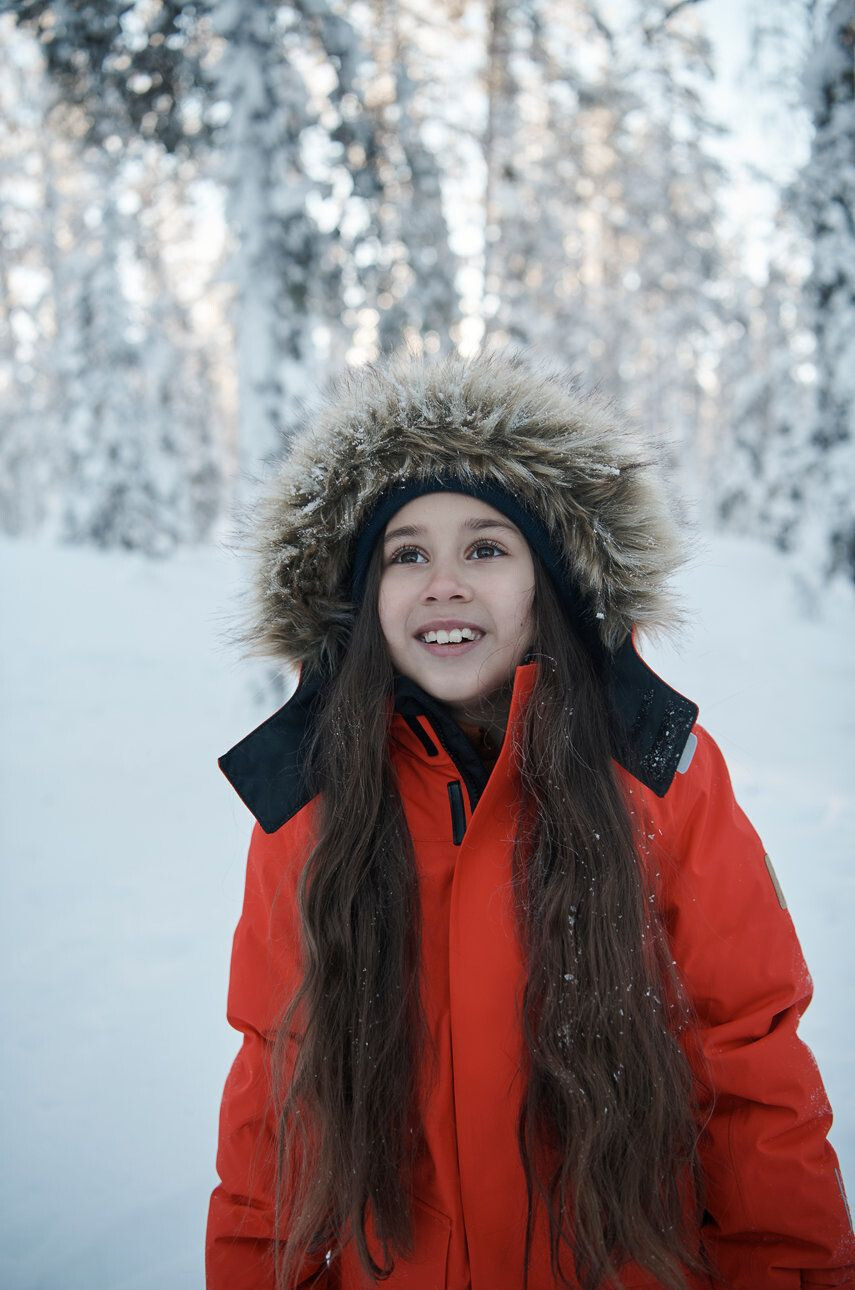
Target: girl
(516,982)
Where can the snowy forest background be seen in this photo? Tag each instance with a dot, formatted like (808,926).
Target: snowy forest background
(205,209)
(210,206)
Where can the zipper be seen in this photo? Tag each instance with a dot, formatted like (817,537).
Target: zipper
(458,812)
(413,703)
(466,760)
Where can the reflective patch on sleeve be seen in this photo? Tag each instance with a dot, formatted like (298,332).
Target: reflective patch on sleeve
(778,892)
(688,753)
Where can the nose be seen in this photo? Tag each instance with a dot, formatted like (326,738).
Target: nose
(446,582)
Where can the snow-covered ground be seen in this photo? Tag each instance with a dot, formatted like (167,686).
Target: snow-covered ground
(124,852)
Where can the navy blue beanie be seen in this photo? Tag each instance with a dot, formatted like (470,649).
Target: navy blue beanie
(576,606)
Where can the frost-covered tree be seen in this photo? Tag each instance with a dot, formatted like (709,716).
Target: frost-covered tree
(25,459)
(788,389)
(827,206)
(415,290)
(390,263)
(144,440)
(507,216)
(181,400)
(139,63)
(540,92)
(602,200)
(661,253)
(278,246)
(110,431)
(110,493)
(762,456)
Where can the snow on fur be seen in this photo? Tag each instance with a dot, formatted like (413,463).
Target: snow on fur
(504,417)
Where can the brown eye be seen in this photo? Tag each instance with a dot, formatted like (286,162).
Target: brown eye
(402,551)
(490,546)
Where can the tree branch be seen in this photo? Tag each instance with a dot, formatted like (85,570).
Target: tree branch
(651,30)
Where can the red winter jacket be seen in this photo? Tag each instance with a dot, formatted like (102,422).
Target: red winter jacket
(777,1216)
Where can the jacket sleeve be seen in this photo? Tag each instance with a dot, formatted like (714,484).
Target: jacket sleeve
(777,1216)
(239,1236)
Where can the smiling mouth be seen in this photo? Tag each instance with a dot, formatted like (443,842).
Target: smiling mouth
(452,649)
(451,635)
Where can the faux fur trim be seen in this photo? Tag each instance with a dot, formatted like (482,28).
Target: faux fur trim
(503,416)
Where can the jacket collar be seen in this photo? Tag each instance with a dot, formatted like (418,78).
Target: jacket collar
(412,702)
(653,737)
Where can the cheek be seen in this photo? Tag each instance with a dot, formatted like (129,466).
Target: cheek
(525,605)
(387,611)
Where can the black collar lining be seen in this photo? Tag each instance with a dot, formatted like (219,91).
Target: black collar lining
(267,767)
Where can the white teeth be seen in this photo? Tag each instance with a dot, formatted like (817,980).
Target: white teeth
(454,637)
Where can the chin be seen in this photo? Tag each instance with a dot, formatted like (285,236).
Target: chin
(446,688)
(466,694)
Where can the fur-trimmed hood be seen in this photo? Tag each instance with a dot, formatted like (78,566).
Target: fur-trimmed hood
(503,417)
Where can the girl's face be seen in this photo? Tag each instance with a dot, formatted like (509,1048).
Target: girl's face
(451,561)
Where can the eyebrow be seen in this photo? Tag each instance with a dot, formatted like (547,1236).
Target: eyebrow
(413,530)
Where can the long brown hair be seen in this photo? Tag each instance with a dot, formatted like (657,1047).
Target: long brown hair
(608,1124)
